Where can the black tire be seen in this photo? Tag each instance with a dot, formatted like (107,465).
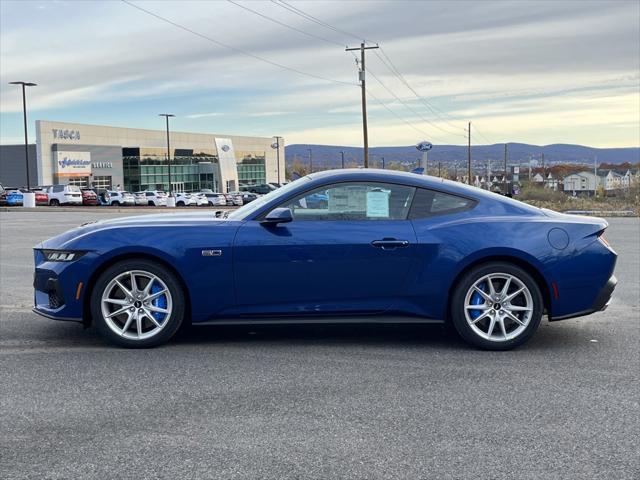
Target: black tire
(177,297)
(151,204)
(54,202)
(115,203)
(180,204)
(465,283)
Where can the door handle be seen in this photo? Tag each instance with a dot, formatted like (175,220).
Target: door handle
(389,243)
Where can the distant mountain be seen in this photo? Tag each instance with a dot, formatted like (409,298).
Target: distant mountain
(328,156)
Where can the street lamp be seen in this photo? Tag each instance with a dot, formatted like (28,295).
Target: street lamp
(170,200)
(24,112)
(310,160)
(276,146)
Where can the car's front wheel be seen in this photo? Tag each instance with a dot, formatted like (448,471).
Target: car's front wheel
(137,304)
(496,306)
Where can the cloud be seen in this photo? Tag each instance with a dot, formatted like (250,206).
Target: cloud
(503,64)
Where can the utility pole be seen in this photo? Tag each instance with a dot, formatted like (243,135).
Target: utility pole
(310,161)
(469,155)
(383,163)
(505,162)
(342,154)
(276,147)
(365,132)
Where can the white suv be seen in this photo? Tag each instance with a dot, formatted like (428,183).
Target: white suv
(153,198)
(184,199)
(119,198)
(63,195)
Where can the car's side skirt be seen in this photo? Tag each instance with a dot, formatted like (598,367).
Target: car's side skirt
(322,320)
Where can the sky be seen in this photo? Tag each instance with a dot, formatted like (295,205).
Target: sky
(539,72)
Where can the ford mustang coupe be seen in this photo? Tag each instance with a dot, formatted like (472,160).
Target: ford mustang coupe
(384,247)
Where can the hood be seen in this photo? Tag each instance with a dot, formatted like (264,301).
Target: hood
(139,221)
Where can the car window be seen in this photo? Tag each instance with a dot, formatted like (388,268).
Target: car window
(428,203)
(58,188)
(353,201)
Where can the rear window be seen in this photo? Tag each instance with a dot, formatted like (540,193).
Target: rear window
(73,188)
(429,203)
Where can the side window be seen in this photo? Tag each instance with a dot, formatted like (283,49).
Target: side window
(353,201)
(58,188)
(429,203)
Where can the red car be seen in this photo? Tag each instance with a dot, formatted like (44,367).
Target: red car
(89,197)
(41,198)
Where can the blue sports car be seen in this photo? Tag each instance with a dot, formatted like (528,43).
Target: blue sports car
(386,247)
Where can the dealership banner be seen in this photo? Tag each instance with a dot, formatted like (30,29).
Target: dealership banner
(73,164)
(227,163)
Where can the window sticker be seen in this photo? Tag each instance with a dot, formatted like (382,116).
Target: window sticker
(378,204)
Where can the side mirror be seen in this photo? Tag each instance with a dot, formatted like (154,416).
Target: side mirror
(278,215)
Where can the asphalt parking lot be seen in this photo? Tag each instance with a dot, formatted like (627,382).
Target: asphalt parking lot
(315,401)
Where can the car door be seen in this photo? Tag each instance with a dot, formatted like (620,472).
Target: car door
(351,254)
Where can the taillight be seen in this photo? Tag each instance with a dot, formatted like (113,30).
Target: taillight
(604,241)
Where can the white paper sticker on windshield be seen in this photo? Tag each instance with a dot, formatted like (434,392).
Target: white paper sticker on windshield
(378,204)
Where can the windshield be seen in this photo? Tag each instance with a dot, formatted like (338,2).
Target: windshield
(250,208)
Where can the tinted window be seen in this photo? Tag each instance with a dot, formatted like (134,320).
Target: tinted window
(58,188)
(353,201)
(427,203)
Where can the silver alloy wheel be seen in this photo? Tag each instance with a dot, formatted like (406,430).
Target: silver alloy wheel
(506,308)
(136,304)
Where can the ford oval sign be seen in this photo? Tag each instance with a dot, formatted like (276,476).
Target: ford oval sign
(424,146)
(225,148)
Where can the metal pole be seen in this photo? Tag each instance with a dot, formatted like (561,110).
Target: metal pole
(469,155)
(342,154)
(310,161)
(169,157)
(278,157)
(26,137)
(383,163)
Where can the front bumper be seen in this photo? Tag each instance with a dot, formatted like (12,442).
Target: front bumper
(601,302)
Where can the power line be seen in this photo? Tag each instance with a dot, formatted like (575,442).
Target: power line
(382,104)
(236,49)
(431,137)
(290,27)
(393,69)
(482,136)
(388,63)
(301,13)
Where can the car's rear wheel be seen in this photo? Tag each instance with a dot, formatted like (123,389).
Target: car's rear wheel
(115,203)
(496,306)
(137,304)
(54,202)
(180,204)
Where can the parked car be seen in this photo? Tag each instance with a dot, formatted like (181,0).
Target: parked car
(153,198)
(11,197)
(115,198)
(64,195)
(261,189)
(185,199)
(201,199)
(214,199)
(393,247)
(233,199)
(247,197)
(89,197)
(42,199)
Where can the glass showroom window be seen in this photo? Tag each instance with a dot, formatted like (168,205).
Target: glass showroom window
(354,201)
(251,168)
(102,182)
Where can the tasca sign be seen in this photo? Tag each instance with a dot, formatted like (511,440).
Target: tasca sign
(73,164)
(64,134)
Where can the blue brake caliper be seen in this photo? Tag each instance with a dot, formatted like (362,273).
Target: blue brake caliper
(476,299)
(160,302)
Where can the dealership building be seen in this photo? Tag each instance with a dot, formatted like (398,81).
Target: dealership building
(136,159)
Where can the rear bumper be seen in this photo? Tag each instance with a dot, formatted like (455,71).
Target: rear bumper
(601,302)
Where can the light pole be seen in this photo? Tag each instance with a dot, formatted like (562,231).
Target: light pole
(310,160)
(170,200)
(276,146)
(24,112)
(342,154)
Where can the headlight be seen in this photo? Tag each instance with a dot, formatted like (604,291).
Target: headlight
(62,255)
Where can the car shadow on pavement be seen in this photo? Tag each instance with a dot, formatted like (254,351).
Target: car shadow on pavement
(353,334)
